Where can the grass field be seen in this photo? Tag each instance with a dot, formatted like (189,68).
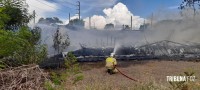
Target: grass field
(151,73)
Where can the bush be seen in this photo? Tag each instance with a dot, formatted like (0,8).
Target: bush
(18,44)
(20,48)
(72,74)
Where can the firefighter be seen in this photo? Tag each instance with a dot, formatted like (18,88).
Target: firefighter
(111,64)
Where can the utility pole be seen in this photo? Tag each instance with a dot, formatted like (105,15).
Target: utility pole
(94,26)
(79,8)
(144,24)
(114,41)
(89,22)
(34,15)
(101,42)
(107,40)
(69,17)
(96,43)
(111,40)
(131,22)
(151,19)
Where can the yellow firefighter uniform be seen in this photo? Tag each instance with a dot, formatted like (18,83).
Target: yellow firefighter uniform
(110,65)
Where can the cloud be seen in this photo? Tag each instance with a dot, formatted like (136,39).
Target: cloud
(61,8)
(88,7)
(42,8)
(97,21)
(118,15)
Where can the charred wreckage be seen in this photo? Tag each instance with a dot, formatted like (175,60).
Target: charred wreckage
(161,50)
(158,50)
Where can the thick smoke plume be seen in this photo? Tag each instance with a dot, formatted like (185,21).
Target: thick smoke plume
(183,30)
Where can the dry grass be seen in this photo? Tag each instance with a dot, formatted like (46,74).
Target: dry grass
(152,74)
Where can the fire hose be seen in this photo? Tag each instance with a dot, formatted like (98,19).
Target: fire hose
(127,76)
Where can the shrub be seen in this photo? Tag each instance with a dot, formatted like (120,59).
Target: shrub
(18,44)
(19,48)
(72,74)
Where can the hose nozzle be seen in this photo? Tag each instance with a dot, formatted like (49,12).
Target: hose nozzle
(112,54)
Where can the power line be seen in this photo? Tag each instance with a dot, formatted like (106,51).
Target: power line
(51,6)
(58,8)
(66,2)
(70,3)
(46,4)
(34,15)
(77,6)
(43,8)
(66,6)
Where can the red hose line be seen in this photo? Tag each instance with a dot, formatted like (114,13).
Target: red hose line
(127,76)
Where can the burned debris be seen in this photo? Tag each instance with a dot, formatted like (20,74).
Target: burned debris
(158,50)
(161,50)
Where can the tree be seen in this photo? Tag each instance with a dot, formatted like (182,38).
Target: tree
(144,26)
(41,20)
(16,14)
(36,35)
(126,27)
(193,4)
(57,20)
(109,26)
(50,21)
(76,24)
(4,18)
(61,41)
(19,47)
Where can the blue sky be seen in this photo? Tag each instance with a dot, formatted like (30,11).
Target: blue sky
(142,8)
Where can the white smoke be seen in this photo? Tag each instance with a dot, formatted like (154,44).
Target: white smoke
(118,15)
(73,17)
